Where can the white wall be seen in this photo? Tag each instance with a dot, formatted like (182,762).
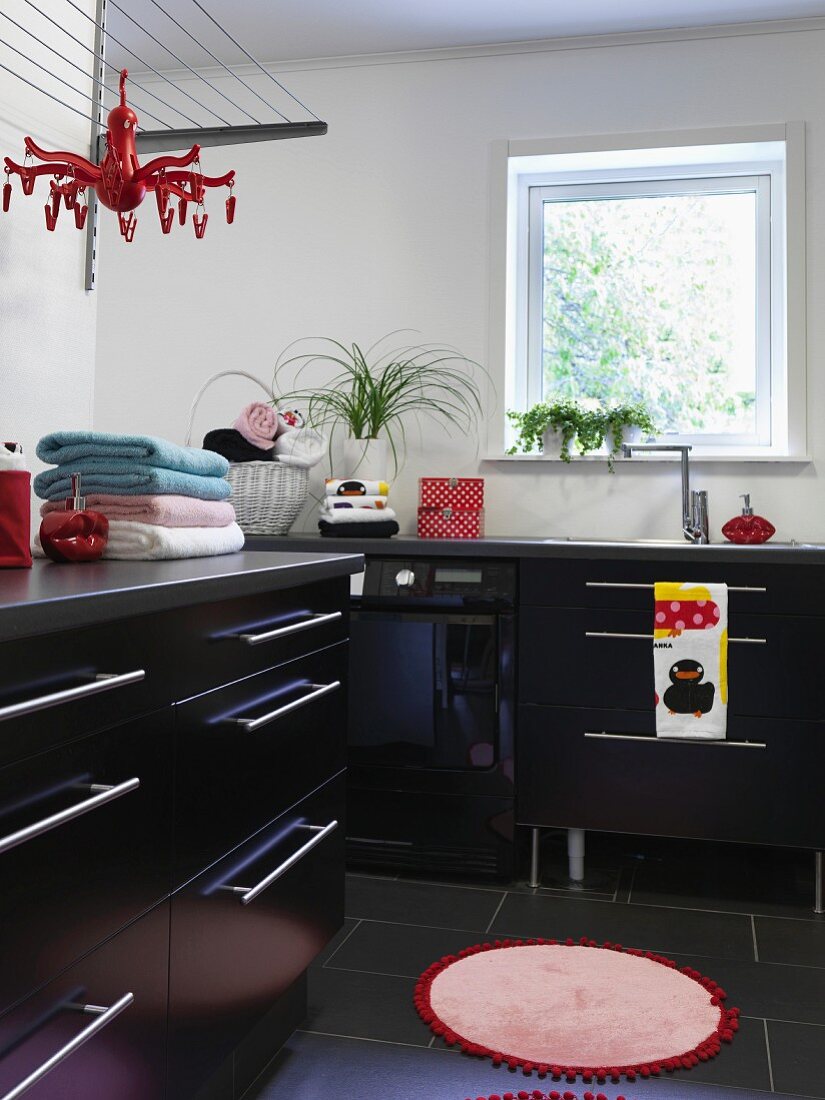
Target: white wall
(384,224)
(47,320)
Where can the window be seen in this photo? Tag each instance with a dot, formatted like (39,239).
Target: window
(660,275)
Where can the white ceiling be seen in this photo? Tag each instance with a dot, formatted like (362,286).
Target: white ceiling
(284,30)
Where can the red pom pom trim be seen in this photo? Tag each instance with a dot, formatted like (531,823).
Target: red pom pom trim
(724,1032)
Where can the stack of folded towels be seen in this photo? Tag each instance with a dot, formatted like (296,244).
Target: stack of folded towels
(356,509)
(262,433)
(162,501)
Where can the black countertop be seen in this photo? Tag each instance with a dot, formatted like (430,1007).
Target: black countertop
(51,597)
(408,546)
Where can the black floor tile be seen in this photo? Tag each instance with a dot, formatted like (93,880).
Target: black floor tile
(314,1066)
(735,880)
(365,1006)
(400,949)
(335,942)
(796,1058)
(742,1063)
(791,941)
(768,990)
(417,903)
(664,930)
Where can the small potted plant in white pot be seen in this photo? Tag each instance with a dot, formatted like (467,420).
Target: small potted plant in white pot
(628,423)
(556,427)
(372,393)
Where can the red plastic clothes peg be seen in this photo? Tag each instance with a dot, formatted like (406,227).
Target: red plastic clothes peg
(230,208)
(199,222)
(128,225)
(166,220)
(182,205)
(6,194)
(80,212)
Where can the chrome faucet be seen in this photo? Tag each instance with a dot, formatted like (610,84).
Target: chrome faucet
(694,504)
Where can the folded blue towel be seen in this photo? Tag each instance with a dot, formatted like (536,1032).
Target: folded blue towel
(127,479)
(121,451)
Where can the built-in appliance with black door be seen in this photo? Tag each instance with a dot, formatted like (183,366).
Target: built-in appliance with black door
(430,737)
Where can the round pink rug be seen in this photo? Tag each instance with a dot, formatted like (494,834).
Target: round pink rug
(571,1009)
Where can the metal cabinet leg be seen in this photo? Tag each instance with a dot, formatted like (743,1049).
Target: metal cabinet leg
(575,854)
(819,882)
(535,845)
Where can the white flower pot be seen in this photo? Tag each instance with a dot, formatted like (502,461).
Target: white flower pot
(631,433)
(551,444)
(366,459)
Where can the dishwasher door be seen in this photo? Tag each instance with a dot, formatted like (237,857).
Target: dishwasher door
(424,690)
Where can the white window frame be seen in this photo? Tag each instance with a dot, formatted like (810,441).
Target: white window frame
(630,163)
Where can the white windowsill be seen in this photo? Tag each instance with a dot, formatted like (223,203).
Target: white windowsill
(799,460)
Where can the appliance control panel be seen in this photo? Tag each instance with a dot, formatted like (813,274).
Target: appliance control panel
(423,578)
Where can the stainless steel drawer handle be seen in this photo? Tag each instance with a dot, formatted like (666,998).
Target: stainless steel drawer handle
(677,740)
(103,681)
(319,690)
(649,637)
(617,584)
(104,794)
(292,628)
(104,1016)
(249,893)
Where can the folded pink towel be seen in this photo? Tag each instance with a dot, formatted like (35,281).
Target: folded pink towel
(258,424)
(164,511)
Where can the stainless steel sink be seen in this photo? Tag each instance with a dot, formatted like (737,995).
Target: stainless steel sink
(792,545)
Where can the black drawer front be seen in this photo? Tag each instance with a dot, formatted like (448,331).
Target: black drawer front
(231,961)
(561,665)
(217,643)
(34,669)
(67,889)
(231,780)
(764,795)
(126,1058)
(789,589)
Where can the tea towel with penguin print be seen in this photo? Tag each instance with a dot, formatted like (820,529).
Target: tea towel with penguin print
(690,660)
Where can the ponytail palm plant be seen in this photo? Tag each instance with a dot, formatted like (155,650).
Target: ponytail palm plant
(375,393)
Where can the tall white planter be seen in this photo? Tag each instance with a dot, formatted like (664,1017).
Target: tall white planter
(366,459)
(552,444)
(632,433)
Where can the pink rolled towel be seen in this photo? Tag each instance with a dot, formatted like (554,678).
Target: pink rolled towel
(163,511)
(258,424)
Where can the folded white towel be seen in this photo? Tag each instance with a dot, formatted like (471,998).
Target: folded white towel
(11,457)
(335,504)
(690,660)
(357,515)
(300,447)
(130,541)
(353,487)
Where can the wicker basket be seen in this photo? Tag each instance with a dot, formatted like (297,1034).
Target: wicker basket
(268,496)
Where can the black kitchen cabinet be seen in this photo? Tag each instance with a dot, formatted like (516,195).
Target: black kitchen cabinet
(233,955)
(587,755)
(69,888)
(147,764)
(126,1058)
(234,778)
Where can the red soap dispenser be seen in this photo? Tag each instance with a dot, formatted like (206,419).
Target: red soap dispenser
(748,529)
(75,534)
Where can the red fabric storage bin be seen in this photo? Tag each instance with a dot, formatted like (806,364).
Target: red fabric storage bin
(450,523)
(463,493)
(15,519)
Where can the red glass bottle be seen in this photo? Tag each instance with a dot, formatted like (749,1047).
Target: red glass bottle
(76,533)
(748,529)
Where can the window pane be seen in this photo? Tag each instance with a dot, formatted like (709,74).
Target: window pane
(653,298)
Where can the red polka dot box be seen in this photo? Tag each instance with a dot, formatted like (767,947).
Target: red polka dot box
(450,523)
(458,493)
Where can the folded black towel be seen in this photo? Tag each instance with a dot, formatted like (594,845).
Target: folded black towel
(383,530)
(232,445)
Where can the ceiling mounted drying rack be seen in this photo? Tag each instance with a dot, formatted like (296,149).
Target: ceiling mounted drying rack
(167,137)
